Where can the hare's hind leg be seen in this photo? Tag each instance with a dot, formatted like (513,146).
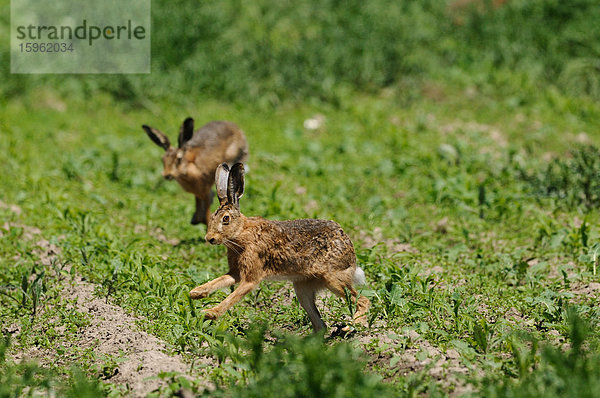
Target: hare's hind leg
(337,284)
(305,291)
(209,287)
(362,306)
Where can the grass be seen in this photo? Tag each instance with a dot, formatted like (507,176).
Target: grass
(271,52)
(497,241)
(27,379)
(458,146)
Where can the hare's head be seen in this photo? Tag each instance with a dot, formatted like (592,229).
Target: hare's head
(227,222)
(175,161)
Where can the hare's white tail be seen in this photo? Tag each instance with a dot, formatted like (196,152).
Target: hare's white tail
(359,277)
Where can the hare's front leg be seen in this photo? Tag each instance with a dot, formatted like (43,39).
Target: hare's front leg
(244,288)
(209,287)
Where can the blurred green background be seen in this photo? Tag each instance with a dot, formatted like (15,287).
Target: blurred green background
(273,51)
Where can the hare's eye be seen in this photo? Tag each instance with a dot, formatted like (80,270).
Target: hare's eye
(225,220)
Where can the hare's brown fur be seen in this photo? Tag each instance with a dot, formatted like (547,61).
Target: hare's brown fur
(194,162)
(313,254)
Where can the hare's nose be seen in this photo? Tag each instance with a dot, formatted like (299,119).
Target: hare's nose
(210,240)
(168,177)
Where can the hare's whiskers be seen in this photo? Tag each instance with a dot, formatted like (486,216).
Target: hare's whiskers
(225,242)
(237,244)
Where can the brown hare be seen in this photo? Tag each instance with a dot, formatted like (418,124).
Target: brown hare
(192,164)
(313,254)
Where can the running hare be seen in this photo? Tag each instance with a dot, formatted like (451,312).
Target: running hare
(192,164)
(313,254)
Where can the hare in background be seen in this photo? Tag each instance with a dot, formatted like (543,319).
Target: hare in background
(312,254)
(192,164)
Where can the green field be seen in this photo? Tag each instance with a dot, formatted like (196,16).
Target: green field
(471,193)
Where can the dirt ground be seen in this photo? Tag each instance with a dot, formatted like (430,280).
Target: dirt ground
(111,332)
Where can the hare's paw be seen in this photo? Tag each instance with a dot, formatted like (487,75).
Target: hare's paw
(211,313)
(343,331)
(360,317)
(361,320)
(199,292)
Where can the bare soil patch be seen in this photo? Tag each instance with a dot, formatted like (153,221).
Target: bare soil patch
(158,234)
(28,232)
(14,208)
(408,353)
(371,239)
(111,332)
(586,289)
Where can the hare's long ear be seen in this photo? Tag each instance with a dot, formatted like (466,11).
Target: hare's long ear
(186,131)
(221,178)
(159,138)
(235,184)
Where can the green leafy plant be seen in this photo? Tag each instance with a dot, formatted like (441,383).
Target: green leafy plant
(28,379)
(575,180)
(574,373)
(296,366)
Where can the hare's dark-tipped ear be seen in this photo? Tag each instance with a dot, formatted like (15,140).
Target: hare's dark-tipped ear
(159,138)
(235,184)
(186,131)
(221,179)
